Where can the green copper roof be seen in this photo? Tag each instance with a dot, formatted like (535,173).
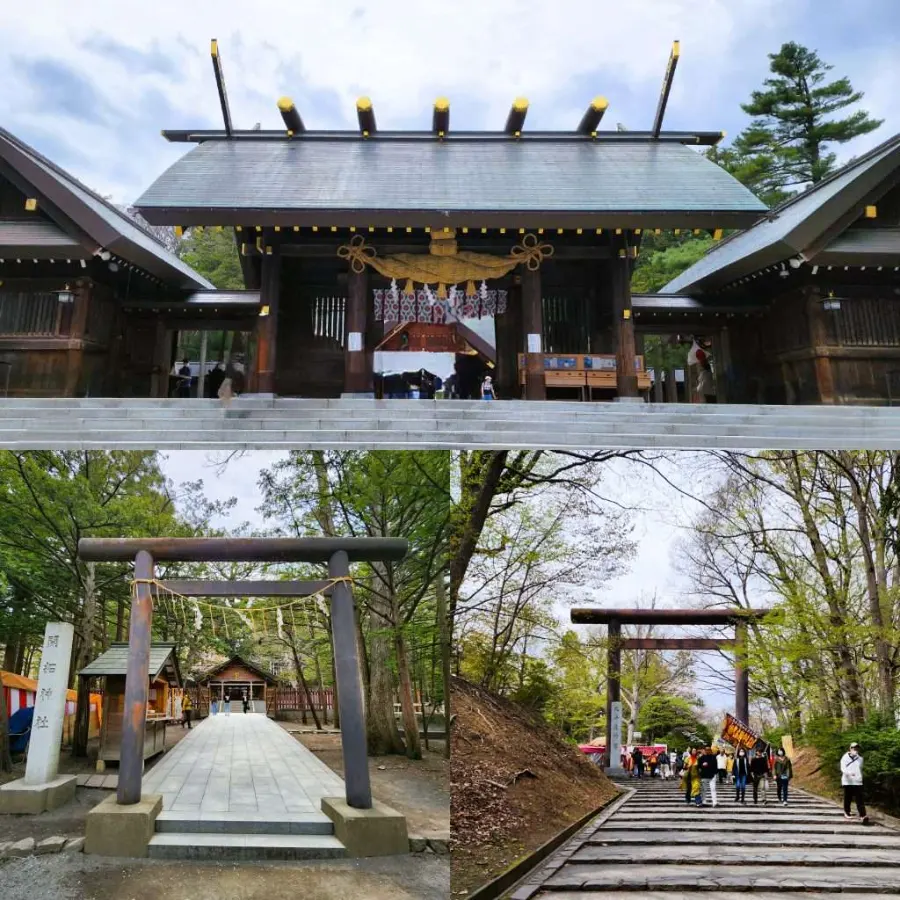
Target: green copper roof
(397,176)
(796,225)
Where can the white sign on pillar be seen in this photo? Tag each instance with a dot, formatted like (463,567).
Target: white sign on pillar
(615,727)
(50,704)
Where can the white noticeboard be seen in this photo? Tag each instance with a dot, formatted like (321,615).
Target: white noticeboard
(615,723)
(354,341)
(534,343)
(50,704)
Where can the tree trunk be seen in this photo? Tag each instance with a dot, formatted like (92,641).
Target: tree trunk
(82,719)
(298,668)
(383,736)
(446,653)
(120,621)
(5,761)
(470,516)
(407,704)
(883,656)
(10,653)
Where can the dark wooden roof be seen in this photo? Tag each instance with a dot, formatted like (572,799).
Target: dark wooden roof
(38,238)
(163,660)
(481,181)
(239,661)
(802,226)
(88,218)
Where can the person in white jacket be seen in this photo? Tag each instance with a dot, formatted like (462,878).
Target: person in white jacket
(852,781)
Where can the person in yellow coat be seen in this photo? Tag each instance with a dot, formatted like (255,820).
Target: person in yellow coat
(690,778)
(187,709)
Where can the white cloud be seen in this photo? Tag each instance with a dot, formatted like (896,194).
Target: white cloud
(403,54)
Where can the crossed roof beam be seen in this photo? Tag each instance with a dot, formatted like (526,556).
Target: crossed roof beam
(513,127)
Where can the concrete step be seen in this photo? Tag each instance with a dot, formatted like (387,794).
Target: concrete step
(715,823)
(245,847)
(727,854)
(709,878)
(745,834)
(173,822)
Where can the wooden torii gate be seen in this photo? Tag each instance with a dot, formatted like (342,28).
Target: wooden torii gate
(338,553)
(614,619)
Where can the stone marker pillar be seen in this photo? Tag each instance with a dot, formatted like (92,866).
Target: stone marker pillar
(42,788)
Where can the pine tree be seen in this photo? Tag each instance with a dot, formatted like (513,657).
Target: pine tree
(785,146)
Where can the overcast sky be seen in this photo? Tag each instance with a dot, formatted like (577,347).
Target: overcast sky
(91,84)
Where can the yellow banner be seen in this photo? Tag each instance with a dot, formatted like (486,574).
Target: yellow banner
(738,734)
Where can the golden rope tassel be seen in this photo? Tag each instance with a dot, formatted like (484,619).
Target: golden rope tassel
(470,289)
(442,291)
(531,252)
(410,287)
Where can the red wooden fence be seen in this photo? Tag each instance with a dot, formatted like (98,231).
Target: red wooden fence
(295,698)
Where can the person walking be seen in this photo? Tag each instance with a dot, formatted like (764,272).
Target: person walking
(690,779)
(852,782)
(759,772)
(741,771)
(665,765)
(654,764)
(638,758)
(246,702)
(709,767)
(487,388)
(729,768)
(226,703)
(187,708)
(722,761)
(784,772)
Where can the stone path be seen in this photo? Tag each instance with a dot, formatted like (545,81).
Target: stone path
(240,787)
(651,844)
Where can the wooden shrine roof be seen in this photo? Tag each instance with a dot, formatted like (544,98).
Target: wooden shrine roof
(90,220)
(479,182)
(114,661)
(803,226)
(236,661)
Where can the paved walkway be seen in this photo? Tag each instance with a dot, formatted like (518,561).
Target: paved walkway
(654,844)
(239,765)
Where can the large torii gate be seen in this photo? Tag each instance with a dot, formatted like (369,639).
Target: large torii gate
(614,619)
(338,553)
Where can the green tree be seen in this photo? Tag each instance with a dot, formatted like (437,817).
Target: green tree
(786,145)
(214,255)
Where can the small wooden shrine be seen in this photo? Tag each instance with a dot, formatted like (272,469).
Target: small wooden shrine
(235,678)
(112,666)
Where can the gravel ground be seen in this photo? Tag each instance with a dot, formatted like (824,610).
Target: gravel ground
(73,876)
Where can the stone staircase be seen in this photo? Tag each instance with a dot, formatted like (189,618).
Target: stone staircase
(655,846)
(254,422)
(239,837)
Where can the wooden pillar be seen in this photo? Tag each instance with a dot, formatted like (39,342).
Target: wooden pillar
(623,322)
(819,341)
(201,377)
(82,718)
(741,674)
(658,375)
(137,684)
(77,328)
(267,327)
(358,362)
(162,360)
(532,331)
(507,328)
(722,359)
(613,688)
(671,385)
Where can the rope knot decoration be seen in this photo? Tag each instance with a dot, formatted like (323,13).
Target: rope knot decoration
(357,253)
(531,252)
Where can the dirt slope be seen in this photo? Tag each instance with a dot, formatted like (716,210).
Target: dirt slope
(514,785)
